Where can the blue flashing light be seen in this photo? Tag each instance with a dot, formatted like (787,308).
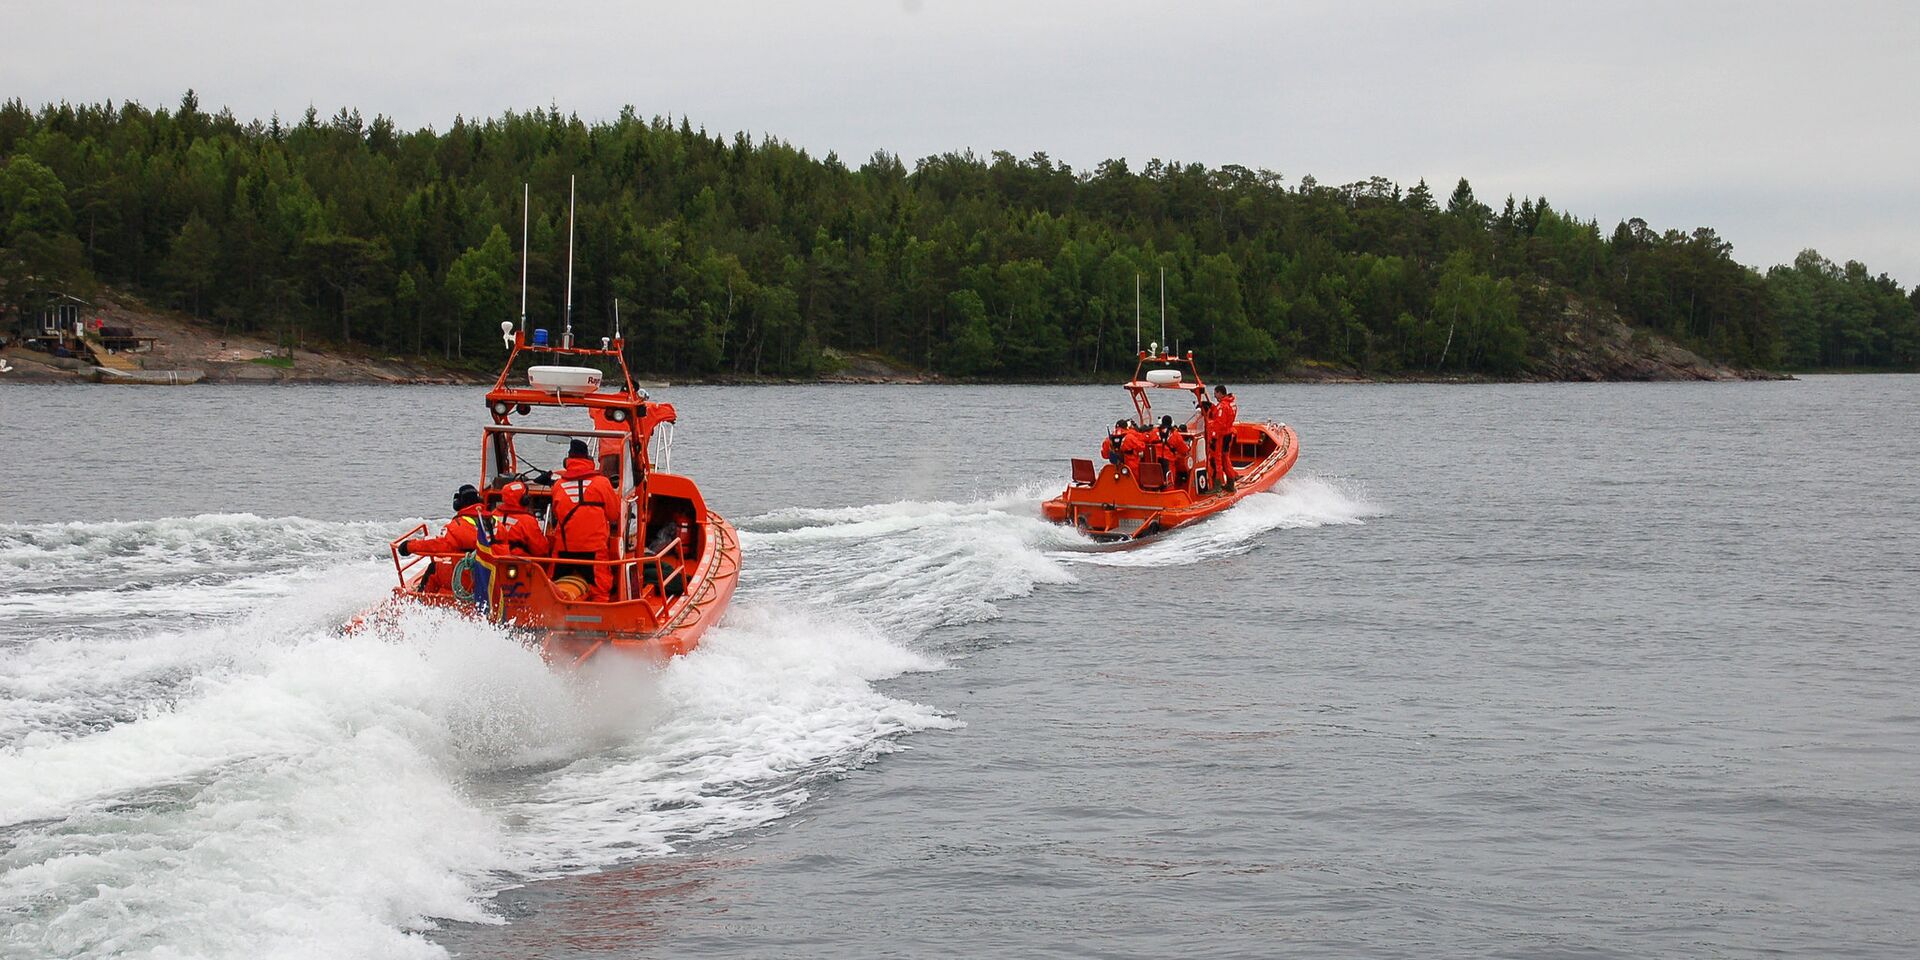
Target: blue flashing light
(539,337)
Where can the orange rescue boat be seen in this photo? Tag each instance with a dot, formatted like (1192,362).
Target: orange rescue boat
(674,562)
(1171,489)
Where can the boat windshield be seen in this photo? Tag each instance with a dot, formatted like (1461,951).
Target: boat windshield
(530,453)
(1179,404)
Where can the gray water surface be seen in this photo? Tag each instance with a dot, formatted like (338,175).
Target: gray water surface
(1527,671)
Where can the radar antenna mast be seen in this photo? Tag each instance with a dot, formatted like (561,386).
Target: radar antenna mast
(526,203)
(1136,312)
(566,336)
(1163,306)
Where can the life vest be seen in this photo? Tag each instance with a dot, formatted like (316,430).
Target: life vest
(583,509)
(1174,445)
(1132,448)
(1226,413)
(517,533)
(460,533)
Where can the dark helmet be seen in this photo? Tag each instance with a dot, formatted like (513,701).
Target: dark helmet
(1166,422)
(465,497)
(578,448)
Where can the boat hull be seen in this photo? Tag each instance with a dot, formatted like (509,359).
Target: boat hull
(571,631)
(1115,507)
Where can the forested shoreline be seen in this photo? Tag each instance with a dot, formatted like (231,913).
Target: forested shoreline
(735,256)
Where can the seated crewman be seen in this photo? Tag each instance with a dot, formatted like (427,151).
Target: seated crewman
(516,531)
(1133,447)
(461,534)
(1110,449)
(1174,449)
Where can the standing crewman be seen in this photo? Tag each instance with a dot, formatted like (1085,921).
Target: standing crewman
(1220,421)
(516,531)
(584,513)
(461,534)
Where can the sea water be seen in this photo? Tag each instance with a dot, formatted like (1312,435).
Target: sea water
(1554,670)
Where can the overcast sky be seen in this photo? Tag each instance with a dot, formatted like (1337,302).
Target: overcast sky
(1783,125)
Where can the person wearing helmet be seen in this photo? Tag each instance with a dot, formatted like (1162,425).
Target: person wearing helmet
(585,509)
(516,532)
(461,534)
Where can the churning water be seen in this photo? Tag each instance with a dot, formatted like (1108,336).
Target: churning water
(1514,670)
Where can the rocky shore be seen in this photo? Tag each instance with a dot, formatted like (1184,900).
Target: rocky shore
(1585,344)
(201,353)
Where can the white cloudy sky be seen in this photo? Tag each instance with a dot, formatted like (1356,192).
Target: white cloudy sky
(1784,125)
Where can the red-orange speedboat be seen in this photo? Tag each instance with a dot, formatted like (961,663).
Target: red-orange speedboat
(674,562)
(1168,491)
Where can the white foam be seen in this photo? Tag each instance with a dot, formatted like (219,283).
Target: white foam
(234,777)
(305,801)
(768,703)
(63,554)
(194,761)
(911,566)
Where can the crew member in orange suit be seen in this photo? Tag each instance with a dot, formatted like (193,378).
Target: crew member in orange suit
(1110,448)
(609,446)
(1220,421)
(1173,448)
(461,534)
(585,509)
(1133,447)
(516,532)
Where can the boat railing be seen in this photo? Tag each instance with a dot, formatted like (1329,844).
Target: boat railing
(413,559)
(666,563)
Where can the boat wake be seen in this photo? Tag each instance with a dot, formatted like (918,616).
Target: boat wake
(195,761)
(1296,502)
(911,566)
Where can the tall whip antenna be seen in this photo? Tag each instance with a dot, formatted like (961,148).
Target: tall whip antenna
(566,337)
(1163,306)
(1136,312)
(616,318)
(526,202)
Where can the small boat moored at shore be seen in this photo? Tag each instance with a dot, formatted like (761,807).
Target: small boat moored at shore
(1175,484)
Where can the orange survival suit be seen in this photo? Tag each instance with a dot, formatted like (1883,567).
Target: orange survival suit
(1132,447)
(1170,447)
(1115,443)
(461,534)
(516,532)
(1220,421)
(585,507)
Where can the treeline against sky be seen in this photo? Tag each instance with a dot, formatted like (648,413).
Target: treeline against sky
(730,255)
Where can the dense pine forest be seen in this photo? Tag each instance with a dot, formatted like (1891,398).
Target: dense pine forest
(735,256)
